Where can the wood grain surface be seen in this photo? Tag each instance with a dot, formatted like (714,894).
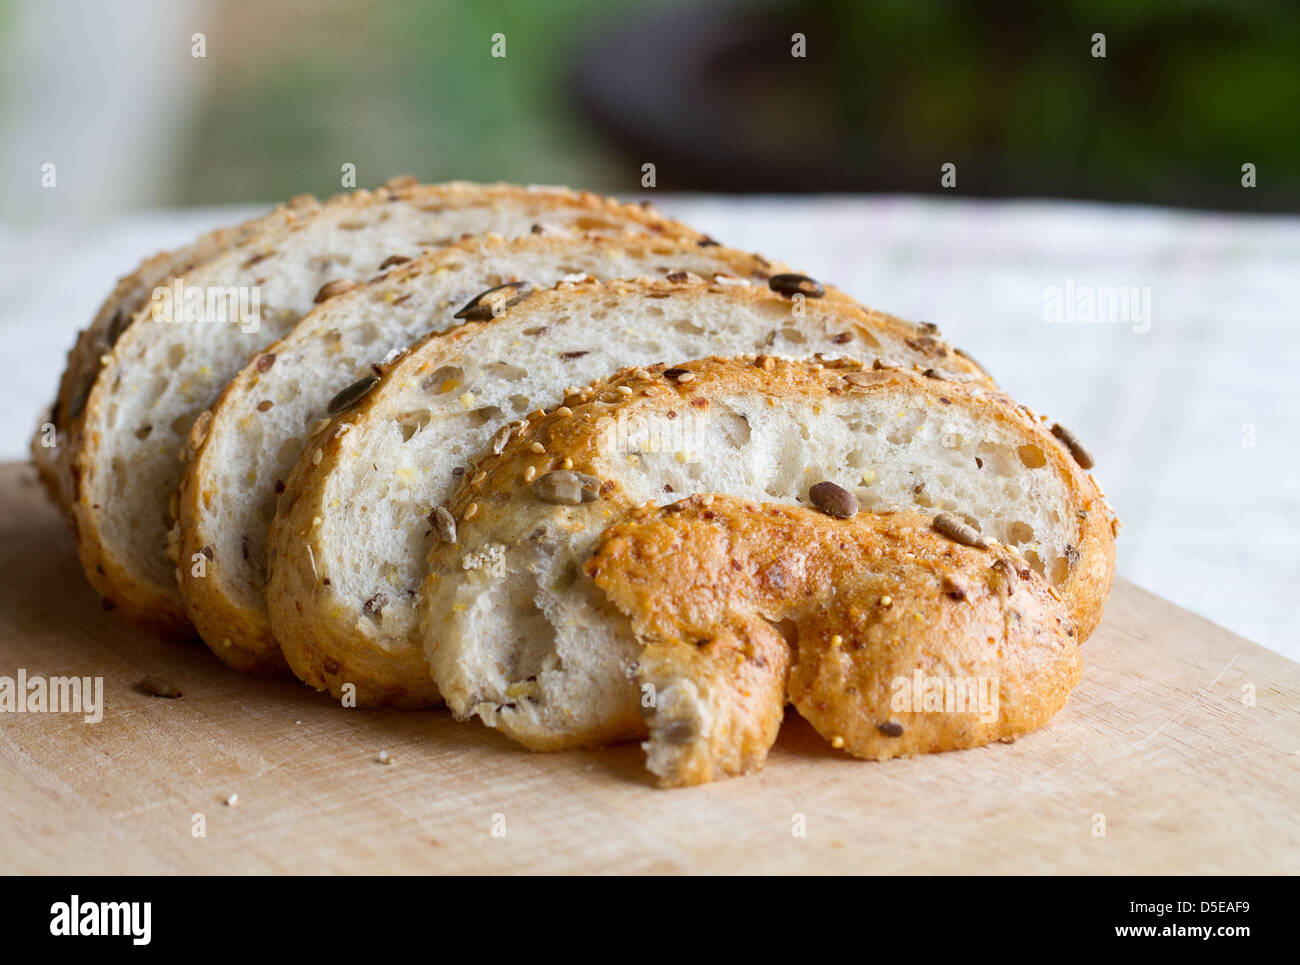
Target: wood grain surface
(1158,747)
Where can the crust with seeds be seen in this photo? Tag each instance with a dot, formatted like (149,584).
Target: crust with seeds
(739,605)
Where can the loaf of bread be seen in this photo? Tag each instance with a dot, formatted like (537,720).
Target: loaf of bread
(258,426)
(890,637)
(169,364)
(365,503)
(517,632)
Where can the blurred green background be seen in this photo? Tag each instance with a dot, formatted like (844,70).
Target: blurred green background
(590,90)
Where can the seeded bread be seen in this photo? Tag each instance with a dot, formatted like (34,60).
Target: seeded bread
(260,423)
(725,596)
(360,510)
(160,375)
(131,293)
(518,635)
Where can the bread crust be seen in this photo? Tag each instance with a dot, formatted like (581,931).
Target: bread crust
(845,611)
(506,506)
(126,582)
(318,632)
(239,629)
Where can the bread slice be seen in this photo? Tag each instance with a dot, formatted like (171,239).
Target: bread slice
(360,510)
(118,310)
(259,425)
(518,635)
(891,638)
(161,374)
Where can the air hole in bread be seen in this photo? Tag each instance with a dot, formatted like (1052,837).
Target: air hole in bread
(999,458)
(409,423)
(366,333)
(686,327)
(906,427)
(443,379)
(175,355)
(143,432)
(654,310)
(1020,532)
(181,424)
(1031,456)
(506,371)
(1060,571)
(1031,556)
(486,414)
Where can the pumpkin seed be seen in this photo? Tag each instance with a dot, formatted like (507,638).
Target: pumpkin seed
(833,500)
(353,394)
(1081,455)
(487,305)
(791,285)
(332,288)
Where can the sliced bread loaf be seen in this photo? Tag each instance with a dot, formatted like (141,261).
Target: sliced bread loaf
(891,638)
(520,636)
(259,424)
(366,501)
(168,365)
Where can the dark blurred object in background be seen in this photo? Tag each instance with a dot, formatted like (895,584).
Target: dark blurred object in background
(287,92)
(1008,90)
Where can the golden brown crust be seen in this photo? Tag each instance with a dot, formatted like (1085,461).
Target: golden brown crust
(573,430)
(861,604)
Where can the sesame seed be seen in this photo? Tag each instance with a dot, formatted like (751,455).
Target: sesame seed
(385,758)
(470,512)
(478,480)
(623,390)
(232,800)
(537,447)
(564,411)
(567,463)
(837,742)
(886,601)
(837,640)
(686,377)
(530,473)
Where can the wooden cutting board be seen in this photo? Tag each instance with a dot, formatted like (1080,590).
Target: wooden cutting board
(1156,748)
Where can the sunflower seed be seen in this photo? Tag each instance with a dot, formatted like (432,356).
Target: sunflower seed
(445,523)
(791,285)
(1071,442)
(353,394)
(959,531)
(833,500)
(566,487)
(491,303)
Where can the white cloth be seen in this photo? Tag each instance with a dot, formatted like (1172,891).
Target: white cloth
(1192,422)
